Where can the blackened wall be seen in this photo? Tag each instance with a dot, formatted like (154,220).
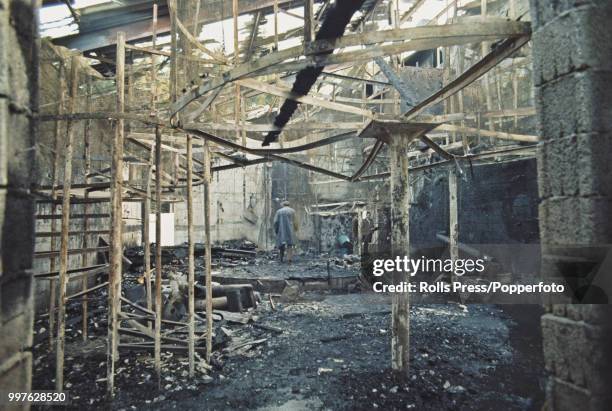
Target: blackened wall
(498,205)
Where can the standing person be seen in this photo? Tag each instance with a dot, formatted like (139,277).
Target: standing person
(285,226)
(367,230)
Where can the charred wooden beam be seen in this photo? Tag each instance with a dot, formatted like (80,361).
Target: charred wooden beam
(332,27)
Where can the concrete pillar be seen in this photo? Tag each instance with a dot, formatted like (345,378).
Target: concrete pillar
(572,55)
(18,104)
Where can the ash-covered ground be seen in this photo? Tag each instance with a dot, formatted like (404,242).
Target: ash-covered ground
(318,350)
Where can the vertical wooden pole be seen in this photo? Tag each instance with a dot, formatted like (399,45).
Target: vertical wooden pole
(485,78)
(158,190)
(54,178)
(235,21)
(461,65)
(196,18)
(275,25)
(515,97)
(129,99)
(146,233)
(236,62)
(64,240)
(512,14)
(308,22)
(363,100)
(158,253)
(400,246)
(154,62)
(191,236)
(244,143)
(359,240)
(116,232)
(87,170)
(191,257)
(453,214)
(512,9)
(173,49)
(209,308)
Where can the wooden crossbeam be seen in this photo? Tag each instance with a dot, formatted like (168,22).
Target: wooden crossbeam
(317,102)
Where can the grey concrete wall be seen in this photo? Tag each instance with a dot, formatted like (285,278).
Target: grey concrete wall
(18,102)
(573,82)
(234,214)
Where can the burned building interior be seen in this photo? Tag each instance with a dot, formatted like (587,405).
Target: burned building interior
(148,149)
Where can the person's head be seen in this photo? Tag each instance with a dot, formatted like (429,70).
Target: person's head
(368,214)
(285,203)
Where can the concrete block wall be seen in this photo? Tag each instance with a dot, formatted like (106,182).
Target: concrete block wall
(18,104)
(572,55)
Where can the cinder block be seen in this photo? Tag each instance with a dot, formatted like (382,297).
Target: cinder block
(16,297)
(18,234)
(575,221)
(17,378)
(578,165)
(577,352)
(20,150)
(563,361)
(544,11)
(559,310)
(558,167)
(20,336)
(594,165)
(597,314)
(21,51)
(575,41)
(575,104)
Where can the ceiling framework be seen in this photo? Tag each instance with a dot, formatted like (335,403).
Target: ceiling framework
(261,74)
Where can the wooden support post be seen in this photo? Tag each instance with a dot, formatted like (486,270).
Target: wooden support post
(244,143)
(63,255)
(512,9)
(190,231)
(308,22)
(485,77)
(173,55)
(400,246)
(275,25)
(515,97)
(116,243)
(54,178)
(85,239)
(153,62)
(453,214)
(461,64)
(146,233)
(236,62)
(359,239)
(235,21)
(129,99)
(191,258)
(158,252)
(208,251)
